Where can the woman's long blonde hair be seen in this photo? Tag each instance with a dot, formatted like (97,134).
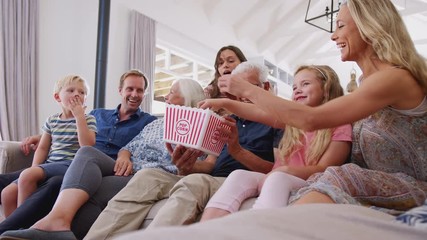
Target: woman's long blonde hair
(294,138)
(380,25)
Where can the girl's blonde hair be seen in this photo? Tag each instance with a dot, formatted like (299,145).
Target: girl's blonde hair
(294,138)
(381,26)
(61,83)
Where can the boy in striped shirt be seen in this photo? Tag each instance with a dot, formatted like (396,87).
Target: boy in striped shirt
(63,134)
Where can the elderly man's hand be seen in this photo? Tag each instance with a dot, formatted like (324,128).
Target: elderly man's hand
(231,135)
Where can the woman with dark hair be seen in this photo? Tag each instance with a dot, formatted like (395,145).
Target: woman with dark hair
(226,60)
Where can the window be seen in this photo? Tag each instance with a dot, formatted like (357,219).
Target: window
(170,66)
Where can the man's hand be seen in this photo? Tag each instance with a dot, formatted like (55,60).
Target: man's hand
(232,134)
(30,144)
(123,166)
(184,158)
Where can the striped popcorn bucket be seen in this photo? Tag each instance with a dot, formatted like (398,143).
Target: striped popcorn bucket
(193,127)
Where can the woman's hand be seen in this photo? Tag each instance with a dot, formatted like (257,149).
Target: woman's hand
(184,158)
(213,104)
(123,166)
(234,84)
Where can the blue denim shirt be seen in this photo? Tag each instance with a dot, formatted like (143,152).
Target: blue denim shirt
(112,134)
(258,138)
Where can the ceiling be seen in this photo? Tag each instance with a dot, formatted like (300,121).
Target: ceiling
(273,29)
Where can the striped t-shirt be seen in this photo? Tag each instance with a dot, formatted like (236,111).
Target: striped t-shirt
(65,142)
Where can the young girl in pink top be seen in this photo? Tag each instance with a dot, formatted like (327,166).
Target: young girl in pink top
(304,153)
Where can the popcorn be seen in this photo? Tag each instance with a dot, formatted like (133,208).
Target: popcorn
(193,127)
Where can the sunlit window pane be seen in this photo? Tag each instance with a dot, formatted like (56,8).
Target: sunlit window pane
(172,65)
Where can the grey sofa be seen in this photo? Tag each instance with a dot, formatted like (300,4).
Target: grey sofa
(12,159)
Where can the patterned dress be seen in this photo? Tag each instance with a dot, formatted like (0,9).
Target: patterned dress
(389,163)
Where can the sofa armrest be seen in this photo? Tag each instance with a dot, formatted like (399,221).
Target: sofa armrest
(12,158)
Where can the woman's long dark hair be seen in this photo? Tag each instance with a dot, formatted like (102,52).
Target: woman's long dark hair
(214,91)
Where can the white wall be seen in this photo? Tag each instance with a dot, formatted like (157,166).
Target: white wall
(117,51)
(68,35)
(67,45)
(119,48)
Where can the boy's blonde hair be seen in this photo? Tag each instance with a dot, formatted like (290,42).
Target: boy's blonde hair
(61,83)
(294,138)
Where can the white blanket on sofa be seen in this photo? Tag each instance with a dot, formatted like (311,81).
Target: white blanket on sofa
(314,221)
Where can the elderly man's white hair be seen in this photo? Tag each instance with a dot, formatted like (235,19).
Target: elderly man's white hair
(261,69)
